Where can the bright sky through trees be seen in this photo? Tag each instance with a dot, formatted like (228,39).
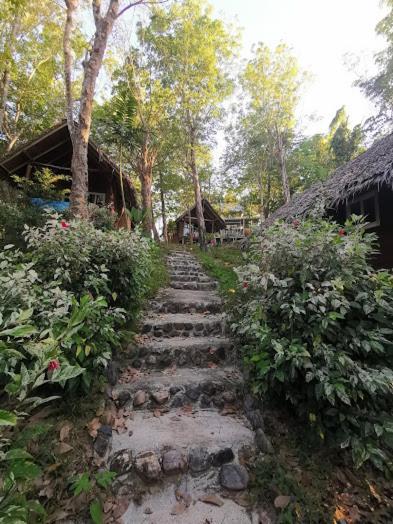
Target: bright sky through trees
(322,34)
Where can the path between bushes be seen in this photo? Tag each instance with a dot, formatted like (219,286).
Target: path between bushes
(184,456)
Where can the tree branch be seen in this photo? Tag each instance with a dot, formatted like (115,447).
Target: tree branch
(140,2)
(96,6)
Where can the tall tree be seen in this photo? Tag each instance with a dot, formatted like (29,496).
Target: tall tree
(379,88)
(104,22)
(272,81)
(31,83)
(192,51)
(344,142)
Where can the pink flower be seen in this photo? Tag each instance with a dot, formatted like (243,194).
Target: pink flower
(245,285)
(295,223)
(341,232)
(64,224)
(53,364)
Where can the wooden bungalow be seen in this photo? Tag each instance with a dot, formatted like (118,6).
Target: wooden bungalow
(186,225)
(363,186)
(53,149)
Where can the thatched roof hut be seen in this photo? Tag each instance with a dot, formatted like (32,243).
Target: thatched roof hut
(371,169)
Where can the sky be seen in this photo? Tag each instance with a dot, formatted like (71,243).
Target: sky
(325,36)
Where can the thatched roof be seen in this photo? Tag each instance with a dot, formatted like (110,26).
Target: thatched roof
(372,168)
(209,213)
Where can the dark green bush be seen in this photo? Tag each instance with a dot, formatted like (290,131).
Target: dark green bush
(316,321)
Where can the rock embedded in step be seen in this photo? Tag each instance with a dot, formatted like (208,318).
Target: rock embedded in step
(122,462)
(103,441)
(123,397)
(199,460)
(139,398)
(112,373)
(263,442)
(233,477)
(229,397)
(256,419)
(148,466)
(161,396)
(209,388)
(151,360)
(175,389)
(248,403)
(205,401)
(173,462)
(193,392)
(223,457)
(178,400)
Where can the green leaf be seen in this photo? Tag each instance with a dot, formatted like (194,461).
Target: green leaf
(96,512)
(82,484)
(19,331)
(105,478)
(25,470)
(17,453)
(7,418)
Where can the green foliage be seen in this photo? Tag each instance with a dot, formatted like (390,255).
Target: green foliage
(102,218)
(13,217)
(316,324)
(219,262)
(43,184)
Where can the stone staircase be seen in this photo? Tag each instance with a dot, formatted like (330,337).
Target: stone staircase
(184,456)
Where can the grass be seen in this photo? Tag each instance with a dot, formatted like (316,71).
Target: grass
(219,262)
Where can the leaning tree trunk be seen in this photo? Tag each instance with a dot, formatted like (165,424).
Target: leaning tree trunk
(163,211)
(198,195)
(283,168)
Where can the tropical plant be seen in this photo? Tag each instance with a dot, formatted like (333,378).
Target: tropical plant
(316,322)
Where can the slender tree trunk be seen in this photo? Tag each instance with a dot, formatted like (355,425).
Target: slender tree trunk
(283,168)
(198,194)
(261,199)
(268,193)
(144,168)
(6,74)
(163,210)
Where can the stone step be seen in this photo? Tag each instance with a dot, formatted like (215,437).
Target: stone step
(186,272)
(191,351)
(176,284)
(160,502)
(187,301)
(176,387)
(183,324)
(190,278)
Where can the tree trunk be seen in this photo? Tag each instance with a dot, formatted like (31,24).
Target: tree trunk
(283,168)
(144,168)
(261,200)
(6,75)
(163,211)
(198,195)
(80,133)
(268,193)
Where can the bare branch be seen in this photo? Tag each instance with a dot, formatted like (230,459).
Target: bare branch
(140,2)
(96,6)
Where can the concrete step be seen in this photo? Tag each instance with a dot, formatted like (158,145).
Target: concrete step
(190,278)
(187,301)
(186,272)
(183,324)
(176,284)
(192,351)
(178,387)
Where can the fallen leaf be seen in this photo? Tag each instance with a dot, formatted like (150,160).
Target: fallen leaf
(93,426)
(211,365)
(65,431)
(53,467)
(157,413)
(178,508)
(64,448)
(228,409)
(374,492)
(212,499)
(282,501)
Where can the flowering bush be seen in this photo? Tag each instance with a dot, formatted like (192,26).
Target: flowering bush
(316,321)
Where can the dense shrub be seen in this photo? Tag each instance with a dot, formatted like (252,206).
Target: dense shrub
(113,264)
(14,216)
(316,321)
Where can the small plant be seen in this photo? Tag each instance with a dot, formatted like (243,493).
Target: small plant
(316,322)
(44,183)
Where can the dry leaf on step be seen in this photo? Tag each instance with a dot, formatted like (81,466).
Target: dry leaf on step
(212,499)
(178,508)
(64,448)
(65,431)
(93,426)
(282,501)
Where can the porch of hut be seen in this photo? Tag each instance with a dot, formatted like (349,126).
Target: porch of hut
(187,224)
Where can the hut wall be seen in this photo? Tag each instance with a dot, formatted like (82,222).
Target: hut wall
(385,230)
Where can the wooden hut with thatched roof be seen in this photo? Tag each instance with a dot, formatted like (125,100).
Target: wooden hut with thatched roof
(53,150)
(363,186)
(187,223)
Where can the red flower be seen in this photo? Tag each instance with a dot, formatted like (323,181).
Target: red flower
(64,224)
(341,232)
(295,223)
(53,364)
(245,285)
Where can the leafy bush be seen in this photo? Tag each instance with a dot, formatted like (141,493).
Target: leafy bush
(114,264)
(102,218)
(316,321)
(14,216)
(44,183)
